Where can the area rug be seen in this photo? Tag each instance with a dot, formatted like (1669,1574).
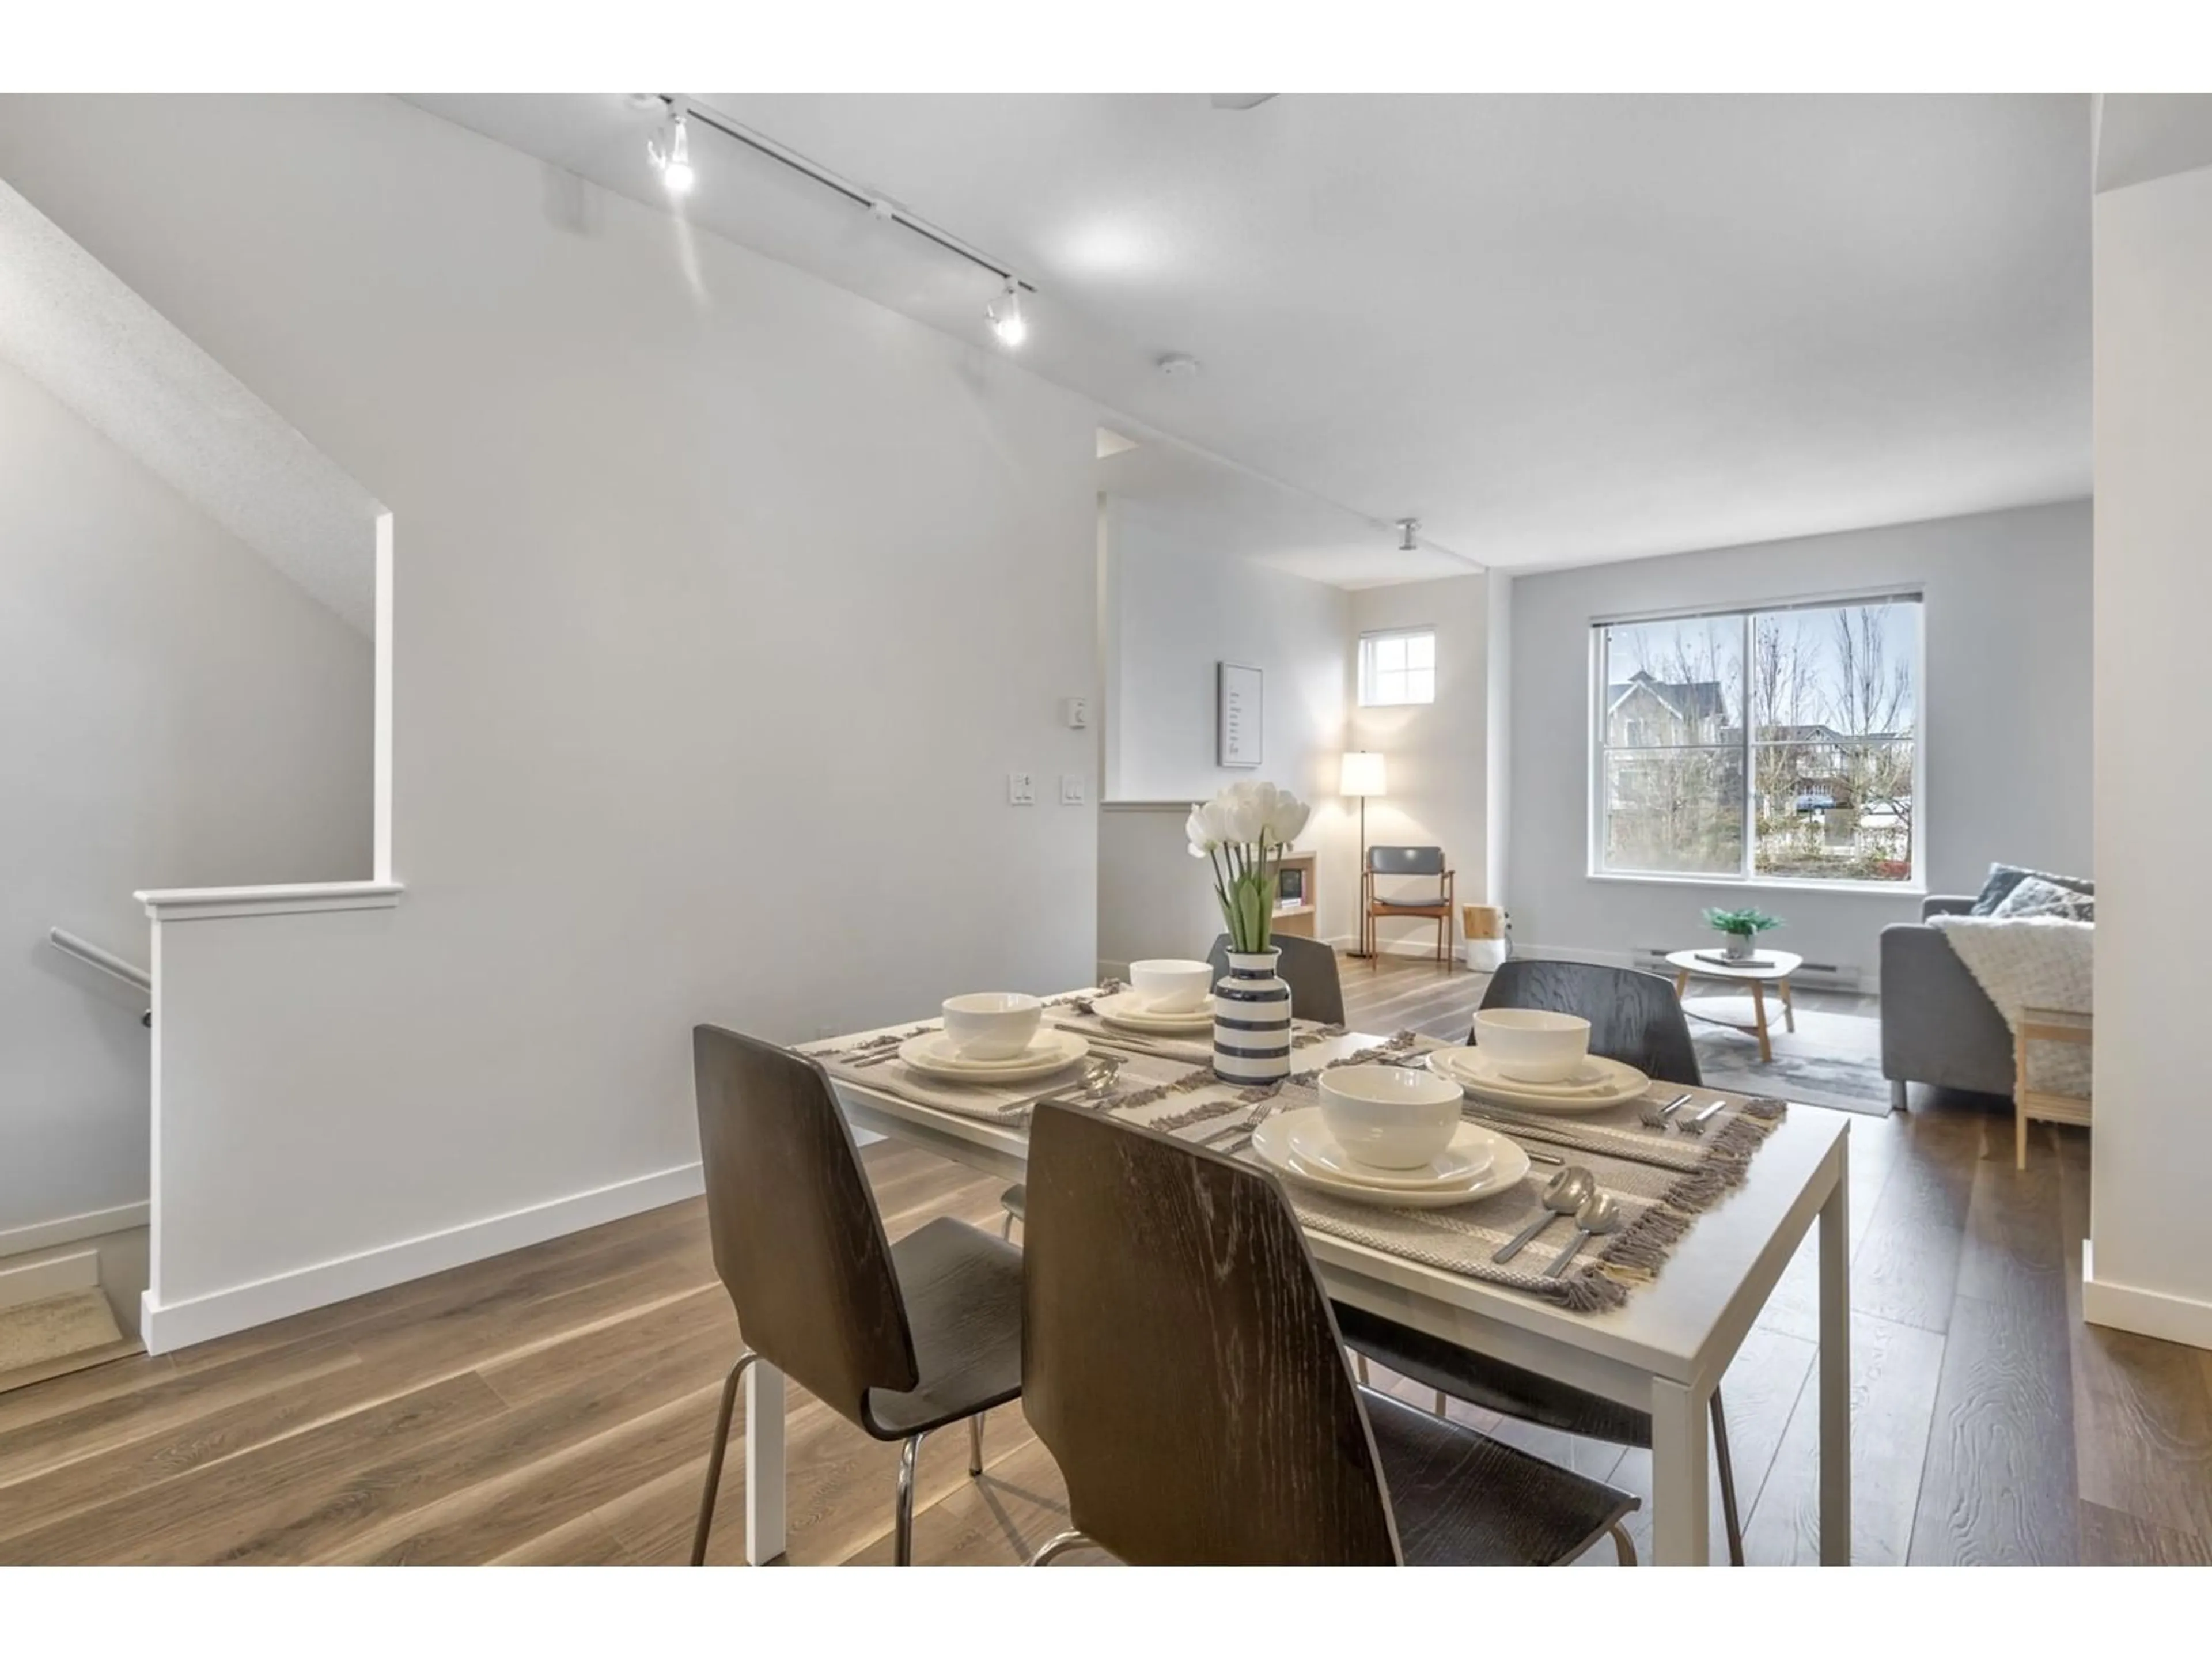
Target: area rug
(1830,1060)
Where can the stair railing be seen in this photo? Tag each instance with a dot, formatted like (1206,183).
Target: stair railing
(106,961)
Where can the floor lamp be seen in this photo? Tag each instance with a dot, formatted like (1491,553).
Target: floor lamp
(1362,776)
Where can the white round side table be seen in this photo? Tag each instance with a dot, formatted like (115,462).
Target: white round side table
(1774,968)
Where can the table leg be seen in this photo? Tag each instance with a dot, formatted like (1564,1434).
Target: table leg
(764,1529)
(1836,1369)
(1681,984)
(1789,1007)
(1759,1013)
(1681,1519)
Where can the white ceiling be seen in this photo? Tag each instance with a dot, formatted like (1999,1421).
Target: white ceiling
(75,328)
(1558,330)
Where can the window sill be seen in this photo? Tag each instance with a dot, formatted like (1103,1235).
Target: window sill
(1903,890)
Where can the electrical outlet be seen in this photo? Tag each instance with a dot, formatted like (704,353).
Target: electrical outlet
(1071,789)
(1021,789)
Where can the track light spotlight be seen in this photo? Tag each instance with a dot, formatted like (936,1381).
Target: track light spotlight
(1006,315)
(671,153)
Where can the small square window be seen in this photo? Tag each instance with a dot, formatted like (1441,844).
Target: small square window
(1398,667)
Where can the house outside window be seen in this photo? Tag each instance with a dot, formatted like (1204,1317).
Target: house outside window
(1772,745)
(1397,667)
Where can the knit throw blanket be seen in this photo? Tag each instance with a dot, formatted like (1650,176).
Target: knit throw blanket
(2031,962)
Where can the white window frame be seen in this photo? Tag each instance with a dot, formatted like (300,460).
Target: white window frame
(1746,876)
(1368,671)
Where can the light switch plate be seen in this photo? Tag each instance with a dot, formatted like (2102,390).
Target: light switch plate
(1076,712)
(1021,789)
(1071,788)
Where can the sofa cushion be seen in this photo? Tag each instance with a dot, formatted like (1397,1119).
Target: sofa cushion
(2034,896)
(2003,877)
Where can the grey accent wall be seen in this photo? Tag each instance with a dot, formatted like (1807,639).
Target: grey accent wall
(2006,726)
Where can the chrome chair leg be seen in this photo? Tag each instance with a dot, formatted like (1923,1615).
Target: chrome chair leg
(1007,1228)
(1059,1544)
(903,1522)
(976,1445)
(714,1458)
(1624,1546)
(1729,1518)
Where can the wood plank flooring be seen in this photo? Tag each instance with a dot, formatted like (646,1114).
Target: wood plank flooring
(554,1405)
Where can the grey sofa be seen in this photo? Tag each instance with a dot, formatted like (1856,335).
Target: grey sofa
(1938,1025)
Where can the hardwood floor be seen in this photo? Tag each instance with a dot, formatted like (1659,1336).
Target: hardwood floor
(554,1405)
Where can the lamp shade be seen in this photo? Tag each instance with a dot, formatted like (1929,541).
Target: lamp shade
(1363,772)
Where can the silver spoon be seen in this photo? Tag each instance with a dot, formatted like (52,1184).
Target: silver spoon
(1598,1215)
(1564,1194)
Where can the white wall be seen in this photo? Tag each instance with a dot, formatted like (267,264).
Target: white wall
(1176,609)
(1435,756)
(724,602)
(2151,1265)
(172,712)
(2006,730)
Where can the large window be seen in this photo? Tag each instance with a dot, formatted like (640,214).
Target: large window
(1398,666)
(1760,745)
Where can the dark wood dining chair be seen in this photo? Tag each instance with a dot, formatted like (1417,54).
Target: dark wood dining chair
(1308,967)
(1180,1364)
(1636,1018)
(1385,862)
(899,1339)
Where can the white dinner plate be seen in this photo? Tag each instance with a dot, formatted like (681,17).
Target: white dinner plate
(1475,1073)
(1459,1166)
(1271,1144)
(1052,1049)
(1126,1009)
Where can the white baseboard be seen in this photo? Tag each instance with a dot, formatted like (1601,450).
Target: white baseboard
(43,1276)
(171,1325)
(72,1229)
(2147,1313)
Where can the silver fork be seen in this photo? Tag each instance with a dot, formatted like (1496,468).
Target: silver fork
(1241,1137)
(1657,1117)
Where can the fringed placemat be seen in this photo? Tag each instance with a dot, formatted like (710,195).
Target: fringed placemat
(1661,1178)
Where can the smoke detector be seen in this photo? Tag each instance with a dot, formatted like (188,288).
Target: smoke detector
(1178,364)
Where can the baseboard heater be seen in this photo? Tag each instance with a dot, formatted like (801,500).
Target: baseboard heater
(1814,976)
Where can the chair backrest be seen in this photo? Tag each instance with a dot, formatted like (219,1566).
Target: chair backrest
(797,1242)
(1180,1362)
(1406,860)
(1308,967)
(1635,1017)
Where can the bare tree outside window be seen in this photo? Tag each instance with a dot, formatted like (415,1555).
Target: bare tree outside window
(1815,784)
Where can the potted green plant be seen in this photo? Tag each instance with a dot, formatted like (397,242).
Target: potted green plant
(1739,928)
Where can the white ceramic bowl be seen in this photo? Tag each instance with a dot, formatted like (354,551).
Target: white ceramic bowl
(1389,1116)
(992,1024)
(1168,985)
(1532,1045)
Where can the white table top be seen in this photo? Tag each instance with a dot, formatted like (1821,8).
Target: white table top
(1683,1326)
(1780,964)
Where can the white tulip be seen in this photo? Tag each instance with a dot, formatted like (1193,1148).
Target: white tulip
(1218,816)
(1193,829)
(1245,819)
(1290,819)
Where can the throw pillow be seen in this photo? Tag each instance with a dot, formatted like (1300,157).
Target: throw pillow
(2003,877)
(2032,896)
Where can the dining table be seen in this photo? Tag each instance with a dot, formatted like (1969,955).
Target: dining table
(1663,1350)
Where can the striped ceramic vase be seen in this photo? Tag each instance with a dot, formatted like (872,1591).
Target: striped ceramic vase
(1251,1020)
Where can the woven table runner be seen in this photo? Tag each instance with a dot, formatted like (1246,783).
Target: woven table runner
(1660,1178)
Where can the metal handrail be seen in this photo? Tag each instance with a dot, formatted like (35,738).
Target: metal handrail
(106,961)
